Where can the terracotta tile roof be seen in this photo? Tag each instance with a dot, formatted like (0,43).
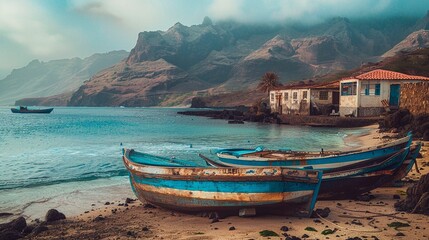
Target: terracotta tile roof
(380,74)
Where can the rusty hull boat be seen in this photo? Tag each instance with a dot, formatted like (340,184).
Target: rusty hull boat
(323,160)
(355,179)
(197,189)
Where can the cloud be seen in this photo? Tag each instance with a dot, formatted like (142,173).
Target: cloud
(31,27)
(49,30)
(29,31)
(310,11)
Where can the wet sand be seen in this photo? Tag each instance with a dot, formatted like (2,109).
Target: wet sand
(348,218)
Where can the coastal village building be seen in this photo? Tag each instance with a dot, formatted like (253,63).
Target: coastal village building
(369,94)
(315,99)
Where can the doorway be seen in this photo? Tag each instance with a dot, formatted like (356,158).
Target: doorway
(395,90)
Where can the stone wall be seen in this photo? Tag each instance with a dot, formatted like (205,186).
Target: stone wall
(325,121)
(370,111)
(415,97)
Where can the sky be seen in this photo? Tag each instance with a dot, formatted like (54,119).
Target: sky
(59,29)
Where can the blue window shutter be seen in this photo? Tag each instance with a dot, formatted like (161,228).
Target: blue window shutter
(377,89)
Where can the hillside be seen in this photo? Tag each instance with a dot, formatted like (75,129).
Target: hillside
(167,68)
(43,79)
(414,63)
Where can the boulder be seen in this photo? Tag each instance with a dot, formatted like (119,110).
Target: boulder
(417,200)
(10,234)
(12,230)
(17,224)
(53,215)
(41,227)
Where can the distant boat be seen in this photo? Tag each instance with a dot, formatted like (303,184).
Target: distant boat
(22,109)
(167,183)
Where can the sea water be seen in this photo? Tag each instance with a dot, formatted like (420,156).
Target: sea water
(71,158)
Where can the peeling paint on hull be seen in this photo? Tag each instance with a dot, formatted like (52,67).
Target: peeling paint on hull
(206,189)
(314,160)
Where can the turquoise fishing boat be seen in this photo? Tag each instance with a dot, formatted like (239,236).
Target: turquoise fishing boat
(169,184)
(355,179)
(323,160)
(409,162)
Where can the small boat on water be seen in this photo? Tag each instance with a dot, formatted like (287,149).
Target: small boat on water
(168,183)
(323,160)
(22,109)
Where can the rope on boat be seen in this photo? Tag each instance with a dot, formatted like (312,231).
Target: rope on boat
(346,228)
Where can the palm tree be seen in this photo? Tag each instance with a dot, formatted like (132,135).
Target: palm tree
(268,81)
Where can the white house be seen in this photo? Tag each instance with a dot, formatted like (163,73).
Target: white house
(369,93)
(309,99)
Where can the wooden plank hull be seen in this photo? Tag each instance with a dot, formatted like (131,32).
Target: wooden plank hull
(319,161)
(356,185)
(195,189)
(348,182)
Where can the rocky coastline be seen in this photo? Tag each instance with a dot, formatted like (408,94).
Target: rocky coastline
(243,114)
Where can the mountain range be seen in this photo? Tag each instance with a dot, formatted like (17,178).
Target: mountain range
(43,79)
(169,68)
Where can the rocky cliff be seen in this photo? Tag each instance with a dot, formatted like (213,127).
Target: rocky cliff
(414,41)
(169,68)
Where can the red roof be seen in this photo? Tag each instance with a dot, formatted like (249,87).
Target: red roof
(380,74)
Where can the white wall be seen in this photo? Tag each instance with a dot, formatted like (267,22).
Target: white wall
(289,104)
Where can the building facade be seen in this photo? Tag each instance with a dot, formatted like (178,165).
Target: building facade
(369,94)
(305,99)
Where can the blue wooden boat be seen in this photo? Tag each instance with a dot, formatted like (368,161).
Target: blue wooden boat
(22,109)
(195,189)
(409,162)
(354,179)
(353,182)
(322,160)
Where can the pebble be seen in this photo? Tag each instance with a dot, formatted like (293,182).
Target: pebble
(284,228)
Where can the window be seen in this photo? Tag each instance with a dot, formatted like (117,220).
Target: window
(348,89)
(286,96)
(323,95)
(370,89)
(295,95)
(272,97)
(304,95)
(377,89)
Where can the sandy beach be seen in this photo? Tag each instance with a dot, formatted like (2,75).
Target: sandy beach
(347,219)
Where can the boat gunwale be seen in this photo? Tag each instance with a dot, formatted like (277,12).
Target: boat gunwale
(220,174)
(313,155)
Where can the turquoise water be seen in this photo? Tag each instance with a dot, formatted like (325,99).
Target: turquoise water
(71,150)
